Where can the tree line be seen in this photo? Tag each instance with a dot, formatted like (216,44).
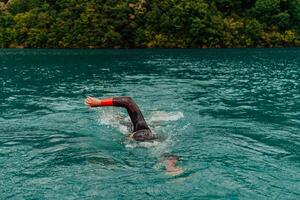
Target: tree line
(149,23)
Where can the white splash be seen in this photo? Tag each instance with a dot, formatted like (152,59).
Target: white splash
(115,118)
(144,144)
(165,116)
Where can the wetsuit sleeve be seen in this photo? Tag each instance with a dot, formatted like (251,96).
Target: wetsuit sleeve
(106,102)
(133,110)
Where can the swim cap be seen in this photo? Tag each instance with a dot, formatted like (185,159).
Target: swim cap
(143,135)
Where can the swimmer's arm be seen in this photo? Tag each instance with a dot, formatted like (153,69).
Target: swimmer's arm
(116,101)
(94,102)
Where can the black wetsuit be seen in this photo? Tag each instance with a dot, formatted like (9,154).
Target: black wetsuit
(141,131)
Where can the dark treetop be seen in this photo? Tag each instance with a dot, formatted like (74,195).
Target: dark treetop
(145,23)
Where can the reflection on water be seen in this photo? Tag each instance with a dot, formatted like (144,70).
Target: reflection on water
(232,116)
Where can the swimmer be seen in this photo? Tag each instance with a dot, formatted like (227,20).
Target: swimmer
(141,131)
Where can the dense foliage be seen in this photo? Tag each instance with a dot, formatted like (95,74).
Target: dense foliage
(145,23)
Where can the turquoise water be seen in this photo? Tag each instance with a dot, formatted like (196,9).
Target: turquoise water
(232,116)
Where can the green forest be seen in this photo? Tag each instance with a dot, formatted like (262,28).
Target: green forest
(149,24)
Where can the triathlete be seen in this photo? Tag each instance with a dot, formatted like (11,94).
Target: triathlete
(141,131)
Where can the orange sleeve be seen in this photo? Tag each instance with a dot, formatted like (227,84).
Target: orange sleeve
(106,102)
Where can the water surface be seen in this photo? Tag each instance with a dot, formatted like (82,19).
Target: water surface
(232,116)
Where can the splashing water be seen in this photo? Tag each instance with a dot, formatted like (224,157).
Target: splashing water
(113,117)
(116,118)
(158,116)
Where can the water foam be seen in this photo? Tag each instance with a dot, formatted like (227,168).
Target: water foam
(115,118)
(158,116)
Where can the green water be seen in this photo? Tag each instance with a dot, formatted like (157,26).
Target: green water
(232,116)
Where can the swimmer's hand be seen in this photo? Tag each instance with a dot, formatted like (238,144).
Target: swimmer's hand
(92,102)
(174,171)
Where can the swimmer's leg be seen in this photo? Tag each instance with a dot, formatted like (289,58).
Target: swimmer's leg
(170,165)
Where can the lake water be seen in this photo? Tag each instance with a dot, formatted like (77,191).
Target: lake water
(231,115)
